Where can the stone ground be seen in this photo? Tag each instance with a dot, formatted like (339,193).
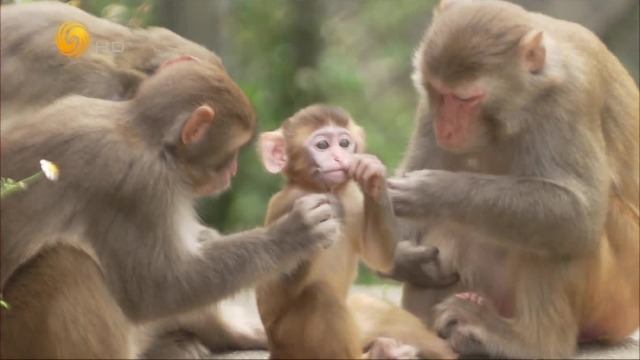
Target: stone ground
(628,350)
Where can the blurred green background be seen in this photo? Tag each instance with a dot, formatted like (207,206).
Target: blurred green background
(286,54)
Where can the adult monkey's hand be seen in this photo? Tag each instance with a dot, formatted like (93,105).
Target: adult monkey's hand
(418,265)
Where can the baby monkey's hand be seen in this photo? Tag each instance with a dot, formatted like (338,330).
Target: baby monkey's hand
(368,171)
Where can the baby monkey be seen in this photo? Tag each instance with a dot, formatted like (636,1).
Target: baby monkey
(320,149)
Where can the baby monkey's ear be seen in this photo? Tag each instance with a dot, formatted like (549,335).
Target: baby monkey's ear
(359,136)
(271,147)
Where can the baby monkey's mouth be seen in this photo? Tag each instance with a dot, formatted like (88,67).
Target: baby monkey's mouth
(332,176)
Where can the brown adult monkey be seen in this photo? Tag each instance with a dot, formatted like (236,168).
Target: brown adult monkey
(35,73)
(114,244)
(527,145)
(320,149)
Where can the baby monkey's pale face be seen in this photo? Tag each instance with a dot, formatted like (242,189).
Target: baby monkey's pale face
(331,149)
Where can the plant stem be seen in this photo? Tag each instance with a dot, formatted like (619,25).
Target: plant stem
(21,185)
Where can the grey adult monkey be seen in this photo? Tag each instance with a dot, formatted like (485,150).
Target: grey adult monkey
(35,73)
(523,172)
(93,263)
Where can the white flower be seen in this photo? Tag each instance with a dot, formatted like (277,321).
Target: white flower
(50,170)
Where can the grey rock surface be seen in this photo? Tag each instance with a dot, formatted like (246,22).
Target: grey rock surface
(628,350)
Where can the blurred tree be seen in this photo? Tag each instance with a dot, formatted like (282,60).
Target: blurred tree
(133,13)
(204,22)
(279,75)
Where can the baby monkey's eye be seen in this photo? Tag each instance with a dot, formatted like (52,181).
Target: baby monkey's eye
(344,143)
(322,144)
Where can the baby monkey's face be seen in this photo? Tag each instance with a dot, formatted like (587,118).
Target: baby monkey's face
(331,149)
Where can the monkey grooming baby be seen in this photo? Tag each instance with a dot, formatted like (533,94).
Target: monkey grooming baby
(523,171)
(92,262)
(320,149)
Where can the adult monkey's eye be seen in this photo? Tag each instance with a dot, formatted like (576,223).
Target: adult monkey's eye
(344,143)
(322,144)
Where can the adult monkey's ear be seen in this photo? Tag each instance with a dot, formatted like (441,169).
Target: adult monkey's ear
(179,59)
(197,125)
(272,151)
(533,51)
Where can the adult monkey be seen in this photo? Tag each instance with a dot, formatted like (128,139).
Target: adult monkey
(114,245)
(523,171)
(35,73)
